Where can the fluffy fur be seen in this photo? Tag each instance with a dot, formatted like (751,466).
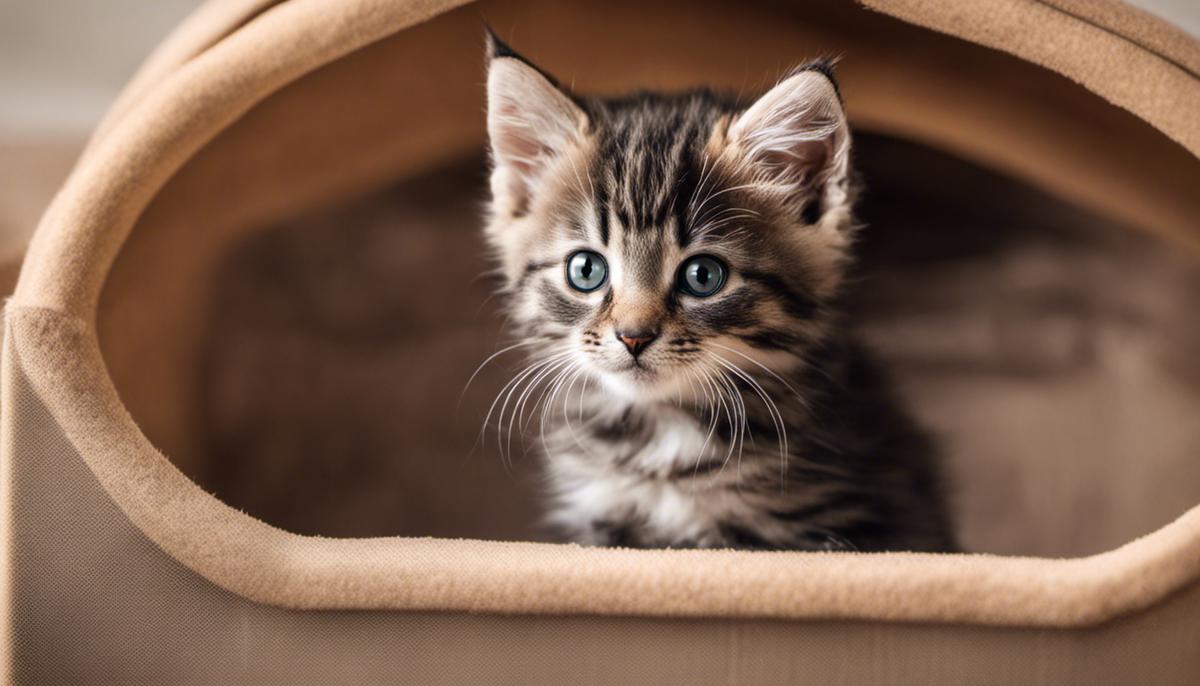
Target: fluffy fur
(752,419)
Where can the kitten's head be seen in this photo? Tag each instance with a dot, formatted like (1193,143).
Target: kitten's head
(652,239)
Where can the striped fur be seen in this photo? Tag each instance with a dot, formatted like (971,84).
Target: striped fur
(753,420)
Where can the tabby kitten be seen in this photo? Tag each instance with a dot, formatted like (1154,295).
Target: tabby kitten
(673,264)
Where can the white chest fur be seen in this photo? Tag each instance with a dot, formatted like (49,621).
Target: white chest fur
(651,479)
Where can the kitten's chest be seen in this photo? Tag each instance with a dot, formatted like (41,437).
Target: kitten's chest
(655,445)
(661,478)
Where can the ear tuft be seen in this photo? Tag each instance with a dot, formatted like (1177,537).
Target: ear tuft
(495,46)
(823,66)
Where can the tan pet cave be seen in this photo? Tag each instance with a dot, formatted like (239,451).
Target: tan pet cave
(233,445)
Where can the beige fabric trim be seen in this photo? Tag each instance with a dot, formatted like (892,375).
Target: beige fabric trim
(1098,44)
(52,340)
(1138,26)
(208,24)
(253,559)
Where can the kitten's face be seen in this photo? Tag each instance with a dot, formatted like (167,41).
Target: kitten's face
(655,242)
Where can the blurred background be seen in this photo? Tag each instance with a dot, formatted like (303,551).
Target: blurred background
(61,64)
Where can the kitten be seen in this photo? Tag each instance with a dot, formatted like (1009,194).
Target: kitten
(673,264)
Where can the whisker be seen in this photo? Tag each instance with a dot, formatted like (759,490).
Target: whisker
(579,371)
(803,402)
(736,433)
(498,353)
(549,395)
(772,409)
(524,396)
(712,413)
(719,393)
(505,394)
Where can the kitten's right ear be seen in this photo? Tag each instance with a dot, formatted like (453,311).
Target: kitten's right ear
(531,122)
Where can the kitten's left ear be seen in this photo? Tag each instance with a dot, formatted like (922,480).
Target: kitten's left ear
(794,140)
(531,122)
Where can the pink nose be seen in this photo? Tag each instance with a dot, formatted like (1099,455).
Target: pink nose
(636,341)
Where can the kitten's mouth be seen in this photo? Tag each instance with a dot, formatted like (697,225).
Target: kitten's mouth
(641,377)
(638,369)
(632,373)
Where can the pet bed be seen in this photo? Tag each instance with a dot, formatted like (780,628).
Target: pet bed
(256,118)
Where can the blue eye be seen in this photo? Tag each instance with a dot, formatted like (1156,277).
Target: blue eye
(586,271)
(702,276)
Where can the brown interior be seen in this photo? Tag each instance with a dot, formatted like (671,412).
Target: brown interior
(294,316)
(1040,342)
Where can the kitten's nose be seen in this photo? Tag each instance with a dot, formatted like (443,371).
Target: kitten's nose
(637,341)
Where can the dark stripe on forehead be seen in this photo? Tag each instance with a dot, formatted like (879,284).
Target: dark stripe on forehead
(624,218)
(614,155)
(648,176)
(660,215)
(685,193)
(683,185)
(663,146)
(602,212)
(647,157)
